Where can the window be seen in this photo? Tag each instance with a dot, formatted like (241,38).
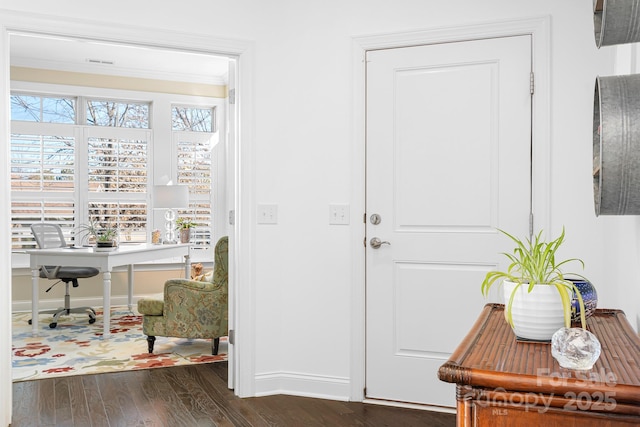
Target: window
(196,150)
(76,159)
(117,166)
(47,163)
(117,180)
(43,164)
(117,114)
(34,108)
(193,119)
(43,178)
(195,163)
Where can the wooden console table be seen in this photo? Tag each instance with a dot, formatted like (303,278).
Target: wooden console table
(504,382)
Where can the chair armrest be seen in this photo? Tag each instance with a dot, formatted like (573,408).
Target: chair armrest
(172,285)
(150,307)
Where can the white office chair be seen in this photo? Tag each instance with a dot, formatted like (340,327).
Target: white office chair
(50,236)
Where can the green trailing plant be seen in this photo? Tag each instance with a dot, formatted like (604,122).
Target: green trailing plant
(99,233)
(184,223)
(533,262)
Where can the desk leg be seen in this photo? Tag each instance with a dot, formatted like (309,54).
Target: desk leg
(35,276)
(106,304)
(187,266)
(130,294)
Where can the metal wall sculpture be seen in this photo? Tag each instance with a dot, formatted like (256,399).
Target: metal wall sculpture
(616,145)
(616,21)
(616,115)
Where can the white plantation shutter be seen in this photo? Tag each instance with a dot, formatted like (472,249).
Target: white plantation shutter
(42,163)
(43,170)
(25,213)
(117,176)
(195,169)
(130,218)
(117,165)
(194,164)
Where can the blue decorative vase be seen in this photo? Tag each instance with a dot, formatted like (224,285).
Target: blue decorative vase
(589,296)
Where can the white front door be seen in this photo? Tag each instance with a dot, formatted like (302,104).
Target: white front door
(448,160)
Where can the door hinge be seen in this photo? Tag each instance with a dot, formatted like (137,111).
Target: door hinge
(232,336)
(364,241)
(531,83)
(232,217)
(530,225)
(232,96)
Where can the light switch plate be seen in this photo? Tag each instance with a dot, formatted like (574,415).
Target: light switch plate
(338,214)
(267,214)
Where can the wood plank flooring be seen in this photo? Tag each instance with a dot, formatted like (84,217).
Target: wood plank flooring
(189,396)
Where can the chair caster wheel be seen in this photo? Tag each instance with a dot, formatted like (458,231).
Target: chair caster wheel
(52,325)
(91,321)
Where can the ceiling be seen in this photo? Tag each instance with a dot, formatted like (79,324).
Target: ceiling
(86,56)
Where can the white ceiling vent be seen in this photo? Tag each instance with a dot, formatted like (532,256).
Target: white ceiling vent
(100,61)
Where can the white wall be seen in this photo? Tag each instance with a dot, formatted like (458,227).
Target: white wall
(303,140)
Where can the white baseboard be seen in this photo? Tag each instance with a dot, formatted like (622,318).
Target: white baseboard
(433,408)
(322,387)
(297,384)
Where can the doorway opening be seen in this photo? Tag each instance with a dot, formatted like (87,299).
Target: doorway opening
(239,57)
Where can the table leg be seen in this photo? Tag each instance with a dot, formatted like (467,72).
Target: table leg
(187,266)
(130,294)
(35,279)
(106,303)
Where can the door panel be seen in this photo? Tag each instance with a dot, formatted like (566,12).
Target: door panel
(416,283)
(448,162)
(415,161)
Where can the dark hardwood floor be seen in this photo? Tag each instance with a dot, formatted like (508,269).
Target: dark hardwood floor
(190,396)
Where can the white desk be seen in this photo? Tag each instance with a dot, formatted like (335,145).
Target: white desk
(125,254)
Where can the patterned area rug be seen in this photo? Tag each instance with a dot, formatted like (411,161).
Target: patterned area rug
(76,348)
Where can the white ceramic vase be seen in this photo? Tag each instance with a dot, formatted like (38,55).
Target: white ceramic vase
(538,314)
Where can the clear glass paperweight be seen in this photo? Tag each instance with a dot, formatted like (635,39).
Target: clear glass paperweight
(575,348)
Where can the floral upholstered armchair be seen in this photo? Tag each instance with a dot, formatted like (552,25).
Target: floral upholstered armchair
(196,308)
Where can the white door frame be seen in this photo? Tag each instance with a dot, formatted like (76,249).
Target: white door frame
(539,29)
(244,229)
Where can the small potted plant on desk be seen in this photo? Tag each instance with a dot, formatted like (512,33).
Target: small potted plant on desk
(184,226)
(537,295)
(104,237)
